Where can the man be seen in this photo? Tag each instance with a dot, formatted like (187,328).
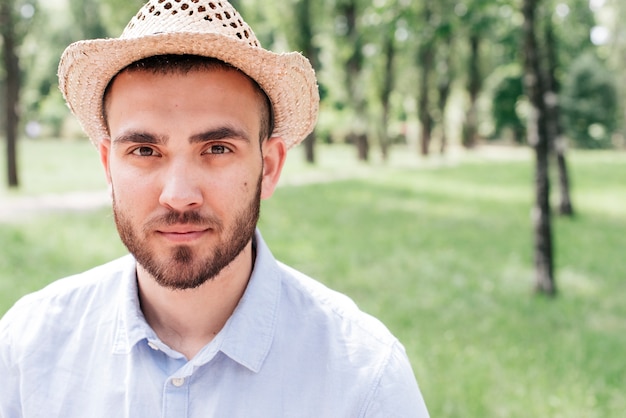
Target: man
(193,119)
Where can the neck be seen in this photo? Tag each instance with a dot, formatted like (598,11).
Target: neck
(187,320)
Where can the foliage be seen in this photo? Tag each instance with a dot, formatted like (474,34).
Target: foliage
(453,26)
(52,28)
(440,253)
(506,100)
(572,21)
(589,103)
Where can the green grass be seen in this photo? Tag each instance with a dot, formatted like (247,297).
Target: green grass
(440,251)
(48,167)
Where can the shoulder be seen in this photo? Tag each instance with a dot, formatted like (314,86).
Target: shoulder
(330,334)
(65,290)
(64,300)
(316,300)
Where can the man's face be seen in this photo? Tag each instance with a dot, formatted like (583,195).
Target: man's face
(187,170)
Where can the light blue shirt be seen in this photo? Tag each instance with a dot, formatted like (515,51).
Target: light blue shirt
(292,348)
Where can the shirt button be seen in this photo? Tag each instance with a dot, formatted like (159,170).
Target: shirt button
(153,346)
(178,381)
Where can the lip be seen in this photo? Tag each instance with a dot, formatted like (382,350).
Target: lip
(180,234)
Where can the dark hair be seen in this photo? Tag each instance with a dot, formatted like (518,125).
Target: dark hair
(183,64)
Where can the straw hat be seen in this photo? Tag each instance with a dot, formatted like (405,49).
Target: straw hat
(196,27)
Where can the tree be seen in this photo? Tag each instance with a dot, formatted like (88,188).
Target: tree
(444,81)
(617,56)
(387,85)
(88,17)
(100,19)
(426,59)
(475,20)
(351,11)
(304,42)
(504,109)
(12,86)
(433,21)
(474,84)
(538,138)
(553,109)
(590,102)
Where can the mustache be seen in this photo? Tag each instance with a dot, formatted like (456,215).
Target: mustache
(191,217)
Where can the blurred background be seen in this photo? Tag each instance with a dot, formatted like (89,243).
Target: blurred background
(465,183)
(425,73)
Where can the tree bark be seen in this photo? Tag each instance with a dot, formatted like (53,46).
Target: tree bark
(362,146)
(309,148)
(443,88)
(565,202)
(389,51)
(356,89)
(425,118)
(304,16)
(426,59)
(557,138)
(470,134)
(538,138)
(11,65)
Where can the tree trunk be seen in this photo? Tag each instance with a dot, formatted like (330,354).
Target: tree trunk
(363,147)
(355,86)
(557,139)
(304,16)
(425,118)
(538,138)
(443,88)
(389,51)
(565,203)
(309,148)
(11,66)
(470,133)
(426,58)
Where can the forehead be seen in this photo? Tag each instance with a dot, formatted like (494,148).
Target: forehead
(182,65)
(167,74)
(214,84)
(179,103)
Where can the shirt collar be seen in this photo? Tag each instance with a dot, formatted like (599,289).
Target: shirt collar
(247,335)
(131,324)
(249,332)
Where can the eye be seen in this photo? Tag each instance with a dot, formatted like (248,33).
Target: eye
(144,152)
(218,149)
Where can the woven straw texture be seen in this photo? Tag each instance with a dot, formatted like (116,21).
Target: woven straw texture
(198,27)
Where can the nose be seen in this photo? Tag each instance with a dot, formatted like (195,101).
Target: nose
(181,189)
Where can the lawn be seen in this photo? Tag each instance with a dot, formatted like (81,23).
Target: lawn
(439,250)
(49,166)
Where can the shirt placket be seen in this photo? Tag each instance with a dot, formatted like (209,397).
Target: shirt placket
(176,397)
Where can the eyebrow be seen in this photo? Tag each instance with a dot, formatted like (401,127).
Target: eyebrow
(224,132)
(135,137)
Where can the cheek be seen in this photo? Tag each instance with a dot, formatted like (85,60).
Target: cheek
(246,181)
(131,191)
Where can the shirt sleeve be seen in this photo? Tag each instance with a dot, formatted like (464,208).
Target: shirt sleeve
(397,394)
(9,403)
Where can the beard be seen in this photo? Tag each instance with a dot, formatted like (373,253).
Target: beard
(183,268)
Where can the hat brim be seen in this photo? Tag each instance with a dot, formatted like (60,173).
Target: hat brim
(87,67)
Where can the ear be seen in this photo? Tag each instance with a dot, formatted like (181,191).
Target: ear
(105,153)
(274,155)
